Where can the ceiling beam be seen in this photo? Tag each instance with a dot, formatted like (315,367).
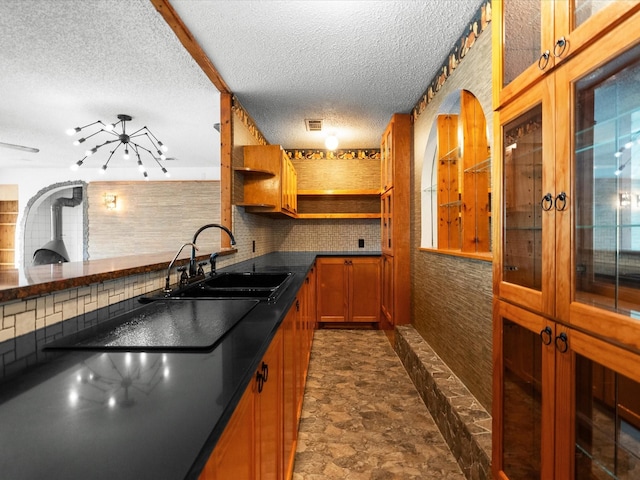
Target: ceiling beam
(189,42)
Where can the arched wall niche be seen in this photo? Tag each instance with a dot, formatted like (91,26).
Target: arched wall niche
(472,132)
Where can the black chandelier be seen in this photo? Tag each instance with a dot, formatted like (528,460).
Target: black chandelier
(124,140)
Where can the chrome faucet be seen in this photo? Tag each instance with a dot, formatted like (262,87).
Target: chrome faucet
(192,261)
(167,288)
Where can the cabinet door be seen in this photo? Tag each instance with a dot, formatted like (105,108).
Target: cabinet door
(269,412)
(602,399)
(531,37)
(235,450)
(332,290)
(387,288)
(386,153)
(523,396)
(525,267)
(603,125)
(290,390)
(289,185)
(364,289)
(387,222)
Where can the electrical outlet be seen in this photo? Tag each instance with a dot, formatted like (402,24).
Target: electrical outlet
(361,242)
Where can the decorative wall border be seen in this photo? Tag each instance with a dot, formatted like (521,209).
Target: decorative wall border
(477,25)
(346,154)
(248,122)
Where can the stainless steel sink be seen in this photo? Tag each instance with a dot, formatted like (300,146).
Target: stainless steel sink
(233,285)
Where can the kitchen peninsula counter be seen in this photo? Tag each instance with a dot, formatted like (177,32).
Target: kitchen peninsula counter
(58,421)
(37,280)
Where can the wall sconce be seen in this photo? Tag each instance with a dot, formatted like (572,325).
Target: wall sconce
(625,199)
(110,201)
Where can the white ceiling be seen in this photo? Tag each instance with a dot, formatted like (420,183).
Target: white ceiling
(351,63)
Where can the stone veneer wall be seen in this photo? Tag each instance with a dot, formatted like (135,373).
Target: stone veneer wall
(462,420)
(452,295)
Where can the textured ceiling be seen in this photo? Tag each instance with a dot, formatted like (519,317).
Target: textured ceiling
(351,63)
(69,63)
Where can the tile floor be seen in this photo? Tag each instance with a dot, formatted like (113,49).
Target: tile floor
(362,418)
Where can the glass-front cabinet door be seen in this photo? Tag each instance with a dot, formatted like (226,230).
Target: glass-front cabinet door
(605,160)
(526,248)
(566,405)
(604,395)
(536,35)
(523,395)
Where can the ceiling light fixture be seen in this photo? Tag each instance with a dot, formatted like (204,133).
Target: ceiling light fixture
(123,139)
(331,142)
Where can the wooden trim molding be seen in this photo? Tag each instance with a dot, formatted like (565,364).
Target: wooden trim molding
(476,26)
(170,16)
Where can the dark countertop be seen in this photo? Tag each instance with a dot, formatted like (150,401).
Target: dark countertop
(57,421)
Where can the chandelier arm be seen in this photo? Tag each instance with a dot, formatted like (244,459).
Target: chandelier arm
(98,147)
(137,132)
(84,139)
(154,137)
(104,167)
(135,147)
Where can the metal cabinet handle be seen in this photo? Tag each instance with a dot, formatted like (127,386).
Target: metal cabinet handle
(562,343)
(260,381)
(265,371)
(543,61)
(546,335)
(560,47)
(547,202)
(561,201)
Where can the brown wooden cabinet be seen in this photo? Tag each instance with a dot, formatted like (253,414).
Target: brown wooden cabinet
(566,263)
(348,289)
(536,37)
(259,442)
(395,152)
(8,218)
(269,181)
(268,413)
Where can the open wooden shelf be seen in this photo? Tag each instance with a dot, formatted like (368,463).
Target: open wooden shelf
(337,215)
(357,192)
(261,205)
(253,171)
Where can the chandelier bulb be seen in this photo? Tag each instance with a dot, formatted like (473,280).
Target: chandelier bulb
(103,169)
(88,153)
(166,173)
(163,147)
(146,176)
(73,131)
(126,154)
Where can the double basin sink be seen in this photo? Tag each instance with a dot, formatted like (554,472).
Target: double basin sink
(192,318)
(260,286)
